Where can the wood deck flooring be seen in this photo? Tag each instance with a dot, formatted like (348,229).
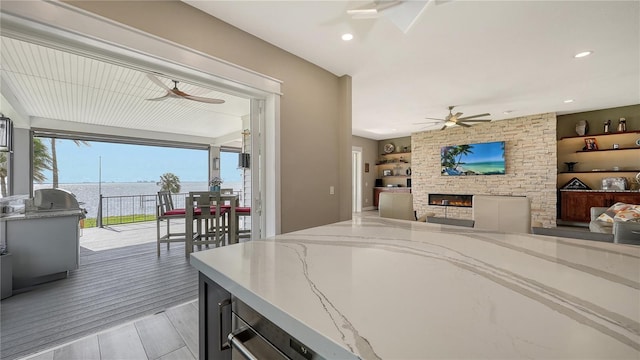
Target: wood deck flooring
(116,283)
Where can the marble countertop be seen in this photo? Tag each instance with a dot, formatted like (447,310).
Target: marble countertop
(376,288)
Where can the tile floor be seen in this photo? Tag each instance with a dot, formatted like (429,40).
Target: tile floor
(168,335)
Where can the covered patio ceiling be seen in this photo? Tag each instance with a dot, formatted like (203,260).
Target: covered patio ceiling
(55,90)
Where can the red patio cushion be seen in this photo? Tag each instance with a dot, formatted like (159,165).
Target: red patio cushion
(198,211)
(176,212)
(239,209)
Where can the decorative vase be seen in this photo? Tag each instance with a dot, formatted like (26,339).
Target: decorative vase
(582,127)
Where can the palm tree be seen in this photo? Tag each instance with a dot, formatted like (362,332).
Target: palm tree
(3,174)
(460,151)
(169,182)
(451,156)
(54,159)
(41,160)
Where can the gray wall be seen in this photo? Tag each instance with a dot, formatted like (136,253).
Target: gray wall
(21,171)
(315,114)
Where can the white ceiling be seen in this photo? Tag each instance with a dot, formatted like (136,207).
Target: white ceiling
(49,84)
(483,56)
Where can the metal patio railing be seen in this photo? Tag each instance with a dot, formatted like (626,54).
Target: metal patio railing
(114,210)
(125,209)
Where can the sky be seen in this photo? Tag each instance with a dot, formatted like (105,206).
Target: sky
(132,163)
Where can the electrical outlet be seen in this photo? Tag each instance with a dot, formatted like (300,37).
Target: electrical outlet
(332,190)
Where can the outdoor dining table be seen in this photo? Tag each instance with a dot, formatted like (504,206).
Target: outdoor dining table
(231,202)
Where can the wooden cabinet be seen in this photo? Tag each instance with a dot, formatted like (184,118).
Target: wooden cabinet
(378,190)
(576,205)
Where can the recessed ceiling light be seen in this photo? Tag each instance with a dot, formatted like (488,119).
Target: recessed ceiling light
(347,37)
(507,112)
(568,101)
(582,54)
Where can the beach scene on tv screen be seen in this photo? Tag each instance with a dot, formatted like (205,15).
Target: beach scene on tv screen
(473,159)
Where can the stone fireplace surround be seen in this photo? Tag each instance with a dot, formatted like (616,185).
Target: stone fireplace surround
(530,158)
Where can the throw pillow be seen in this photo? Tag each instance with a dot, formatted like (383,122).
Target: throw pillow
(610,214)
(630,214)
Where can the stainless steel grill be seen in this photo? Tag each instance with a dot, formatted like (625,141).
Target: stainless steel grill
(54,200)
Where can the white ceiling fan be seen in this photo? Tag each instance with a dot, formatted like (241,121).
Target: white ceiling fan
(373,10)
(455,119)
(176,93)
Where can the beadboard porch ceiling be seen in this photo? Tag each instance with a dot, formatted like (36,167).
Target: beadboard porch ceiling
(52,85)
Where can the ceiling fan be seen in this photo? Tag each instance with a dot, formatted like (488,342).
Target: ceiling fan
(373,10)
(455,119)
(176,93)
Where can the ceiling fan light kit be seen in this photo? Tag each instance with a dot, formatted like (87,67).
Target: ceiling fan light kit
(455,119)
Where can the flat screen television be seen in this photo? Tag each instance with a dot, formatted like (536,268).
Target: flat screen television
(473,159)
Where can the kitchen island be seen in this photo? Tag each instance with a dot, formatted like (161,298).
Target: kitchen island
(377,288)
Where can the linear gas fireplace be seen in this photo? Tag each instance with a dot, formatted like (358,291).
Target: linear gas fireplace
(451,200)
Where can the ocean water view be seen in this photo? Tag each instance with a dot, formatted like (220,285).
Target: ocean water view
(88,194)
(484,168)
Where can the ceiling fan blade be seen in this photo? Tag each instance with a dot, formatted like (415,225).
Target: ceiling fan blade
(363,14)
(373,10)
(157,81)
(428,118)
(463,124)
(204,99)
(474,116)
(443,127)
(458,114)
(166,96)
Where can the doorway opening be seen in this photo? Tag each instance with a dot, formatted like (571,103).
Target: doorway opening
(356,179)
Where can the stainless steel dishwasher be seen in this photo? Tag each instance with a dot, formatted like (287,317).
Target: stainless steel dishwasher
(255,337)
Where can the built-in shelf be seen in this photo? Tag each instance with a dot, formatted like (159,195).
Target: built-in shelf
(394,163)
(397,166)
(603,134)
(597,171)
(589,151)
(397,153)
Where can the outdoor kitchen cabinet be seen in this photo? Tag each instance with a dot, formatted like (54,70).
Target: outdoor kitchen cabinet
(44,246)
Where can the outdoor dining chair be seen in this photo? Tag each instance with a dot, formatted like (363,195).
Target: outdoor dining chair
(204,208)
(166,212)
(240,211)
